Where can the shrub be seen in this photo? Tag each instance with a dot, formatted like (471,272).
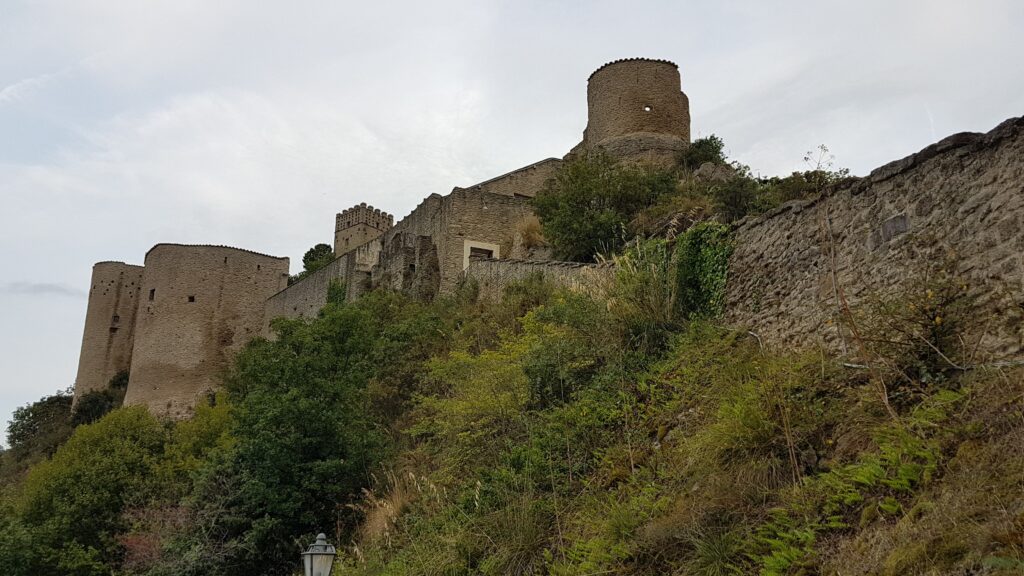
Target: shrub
(40,427)
(94,404)
(708,149)
(586,208)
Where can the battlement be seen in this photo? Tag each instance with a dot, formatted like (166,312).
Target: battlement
(363,214)
(638,59)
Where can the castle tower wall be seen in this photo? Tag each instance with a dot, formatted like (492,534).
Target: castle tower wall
(637,110)
(109,325)
(358,225)
(198,306)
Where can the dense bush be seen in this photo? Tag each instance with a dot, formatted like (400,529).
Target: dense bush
(586,208)
(709,149)
(72,503)
(94,404)
(41,426)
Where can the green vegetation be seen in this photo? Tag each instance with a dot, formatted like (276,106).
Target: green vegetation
(314,259)
(553,432)
(584,210)
(595,206)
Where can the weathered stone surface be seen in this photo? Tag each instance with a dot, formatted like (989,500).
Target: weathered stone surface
(492,276)
(964,193)
(198,306)
(525,181)
(306,297)
(109,325)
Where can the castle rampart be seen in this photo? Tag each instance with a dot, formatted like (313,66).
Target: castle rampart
(875,235)
(350,271)
(109,325)
(178,321)
(197,307)
(526,181)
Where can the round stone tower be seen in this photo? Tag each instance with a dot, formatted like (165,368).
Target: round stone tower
(636,110)
(109,324)
(198,306)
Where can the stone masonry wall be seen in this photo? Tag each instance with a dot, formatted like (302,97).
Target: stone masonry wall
(965,194)
(470,218)
(198,306)
(307,296)
(526,181)
(636,110)
(493,276)
(408,257)
(109,325)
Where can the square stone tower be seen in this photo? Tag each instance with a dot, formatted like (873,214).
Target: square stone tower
(357,226)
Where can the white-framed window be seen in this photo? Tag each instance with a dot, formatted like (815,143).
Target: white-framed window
(474,248)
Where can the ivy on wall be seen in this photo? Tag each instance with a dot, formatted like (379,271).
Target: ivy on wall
(702,264)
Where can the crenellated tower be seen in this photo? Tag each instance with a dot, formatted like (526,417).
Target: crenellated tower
(358,225)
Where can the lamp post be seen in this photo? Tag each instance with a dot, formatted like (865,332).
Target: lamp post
(319,558)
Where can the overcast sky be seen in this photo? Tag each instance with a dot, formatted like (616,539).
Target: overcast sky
(127,123)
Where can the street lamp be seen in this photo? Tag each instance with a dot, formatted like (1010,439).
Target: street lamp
(319,558)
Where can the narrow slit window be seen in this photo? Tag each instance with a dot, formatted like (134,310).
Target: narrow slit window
(152,294)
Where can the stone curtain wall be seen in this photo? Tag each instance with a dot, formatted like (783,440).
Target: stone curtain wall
(493,276)
(305,298)
(207,302)
(526,181)
(109,325)
(965,193)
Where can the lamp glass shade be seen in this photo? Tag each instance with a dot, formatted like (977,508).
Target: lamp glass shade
(319,558)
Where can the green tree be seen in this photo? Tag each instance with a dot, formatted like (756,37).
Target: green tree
(317,257)
(73,503)
(305,436)
(37,429)
(586,209)
(709,149)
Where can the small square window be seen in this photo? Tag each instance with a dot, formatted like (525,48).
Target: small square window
(191,298)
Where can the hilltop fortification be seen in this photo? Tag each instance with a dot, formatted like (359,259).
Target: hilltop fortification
(178,321)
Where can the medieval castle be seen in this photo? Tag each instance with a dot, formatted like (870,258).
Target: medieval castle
(175,322)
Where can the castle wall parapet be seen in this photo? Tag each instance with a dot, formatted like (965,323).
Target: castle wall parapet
(871,237)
